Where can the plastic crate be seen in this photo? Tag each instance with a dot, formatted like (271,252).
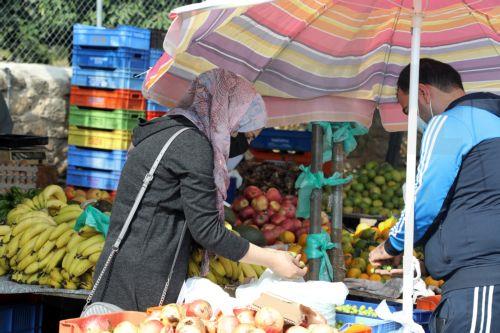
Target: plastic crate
(21,318)
(100,179)
(157,37)
(104,119)
(154,56)
(100,139)
(152,106)
(121,58)
(75,325)
(107,98)
(150,115)
(429,303)
(349,328)
(97,159)
(109,79)
(273,139)
(121,36)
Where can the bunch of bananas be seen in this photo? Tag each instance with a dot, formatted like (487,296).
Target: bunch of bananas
(224,271)
(40,246)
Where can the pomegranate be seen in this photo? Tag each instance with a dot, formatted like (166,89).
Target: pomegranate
(297,329)
(172,314)
(245,316)
(240,203)
(262,218)
(278,219)
(210,326)
(321,328)
(125,327)
(252,192)
(95,324)
(227,324)
(200,309)
(247,213)
(151,326)
(273,194)
(260,203)
(190,325)
(244,328)
(270,320)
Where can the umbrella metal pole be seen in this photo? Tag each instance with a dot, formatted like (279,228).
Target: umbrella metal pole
(315,217)
(336,254)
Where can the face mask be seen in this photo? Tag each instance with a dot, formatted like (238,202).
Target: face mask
(421,124)
(239,145)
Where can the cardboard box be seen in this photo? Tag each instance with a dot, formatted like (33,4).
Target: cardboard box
(289,310)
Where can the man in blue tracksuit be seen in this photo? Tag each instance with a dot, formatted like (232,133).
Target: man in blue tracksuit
(457,199)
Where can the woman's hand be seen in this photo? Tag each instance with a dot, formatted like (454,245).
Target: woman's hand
(286,265)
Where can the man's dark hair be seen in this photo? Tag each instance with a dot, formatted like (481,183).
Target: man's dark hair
(432,72)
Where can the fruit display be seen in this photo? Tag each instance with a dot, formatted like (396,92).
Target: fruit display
(11,198)
(40,246)
(198,317)
(80,195)
(294,127)
(355,310)
(376,189)
(265,175)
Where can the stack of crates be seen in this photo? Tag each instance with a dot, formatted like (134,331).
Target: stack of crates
(154,110)
(106,101)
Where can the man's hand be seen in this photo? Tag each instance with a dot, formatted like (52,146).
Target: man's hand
(380,257)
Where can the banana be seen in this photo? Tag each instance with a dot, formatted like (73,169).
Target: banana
(32,278)
(258,269)
(64,238)
(4,263)
(4,230)
(30,220)
(241,277)
(26,250)
(87,231)
(193,269)
(211,277)
(59,230)
(3,271)
(95,248)
(43,238)
(68,259)
(24,207)
(44,280)
(87,278)
(248,271)
(70,285)
(55,284)
(86,286)
(36,203)
(33,268)
(6,238)
(12,247)
(54,192)
(89,242)
(81,266)
(54,206)
(55,260)
(197,256)
(45,261)
(56,275)
(236,270)
(13,262)
(67,216)
(65,275)
(28,202)
(3,249)
(93,258)
(70,208)
(32,233)
(217,267)
(74,241)
(21,266)
(42,201)
(45,249)
(227,266)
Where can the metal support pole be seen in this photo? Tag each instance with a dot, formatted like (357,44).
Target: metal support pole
(337,255)
(99,13)
(315,218)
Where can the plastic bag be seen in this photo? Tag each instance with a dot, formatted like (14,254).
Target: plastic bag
(94,218)
(320,296)
(200,288)
(385,313)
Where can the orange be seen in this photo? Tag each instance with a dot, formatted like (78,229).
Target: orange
(296,248)
(431,282)
(370,269)
(364,276)
(375,277)
(354,273)
(303,257)
(358,328)
(441,282)
(302,240)
(359,263)
(287,237)
(347,259)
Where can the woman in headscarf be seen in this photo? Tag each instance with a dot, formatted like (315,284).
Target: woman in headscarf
(189,185)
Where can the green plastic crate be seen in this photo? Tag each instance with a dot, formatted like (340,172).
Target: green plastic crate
(104,119)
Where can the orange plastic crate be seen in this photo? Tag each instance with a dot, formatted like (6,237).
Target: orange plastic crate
(154,114)
(75,325)
(429,303)
(107,99)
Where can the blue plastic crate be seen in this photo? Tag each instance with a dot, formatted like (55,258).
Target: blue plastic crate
(112,79)
(377,325)
(154,55)
(152,106)
(21,318)
(121,36)
(112,160)
(121,58)
(103,180)
(272,139)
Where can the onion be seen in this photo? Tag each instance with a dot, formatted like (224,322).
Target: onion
(200,309)
(151,326)
(95,324)
(210,326)
(270,320)
(245,316)
(125,327)
(190,325)
(227,324)
(297,329)
(172,314)
(244,328)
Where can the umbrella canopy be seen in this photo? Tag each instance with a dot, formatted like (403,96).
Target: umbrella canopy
(326,60)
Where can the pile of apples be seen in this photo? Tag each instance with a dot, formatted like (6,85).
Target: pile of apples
(80,196)
(198,317)
(274,214)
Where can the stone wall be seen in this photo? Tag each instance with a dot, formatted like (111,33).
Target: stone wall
(38,99)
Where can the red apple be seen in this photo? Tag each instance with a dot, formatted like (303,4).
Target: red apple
(245,316)
(190,325)
(278,219)
(261,219)
(252,192)
(270,320)
(199,309)
(293,199)
(275,206)
(270,237)
(268,227)
(237,222)
(273,194)
(297,224)
(151,326)
(247,213)
(70,192)
(239,203)
(227,324)
(270,211)
(288,225)
(300,232)
(306,224)
(260,203)
(288,210)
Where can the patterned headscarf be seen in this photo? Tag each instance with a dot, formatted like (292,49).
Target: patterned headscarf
(220,103)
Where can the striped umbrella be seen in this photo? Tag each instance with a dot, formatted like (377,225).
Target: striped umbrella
(324,59)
